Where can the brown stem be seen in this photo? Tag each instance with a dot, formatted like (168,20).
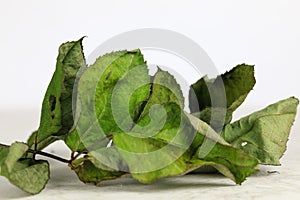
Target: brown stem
(73,157)
(36,152)
(35,143)
(49,155)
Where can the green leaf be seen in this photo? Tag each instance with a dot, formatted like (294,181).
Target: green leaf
(108,159)
(159,161)
(88,172)
(166,151)
(161,136)
(56,115)
(162,115)
(149,159)
(165,89)
(264,134)
(205,130)
(29,175)
(215,97)
(231,162)
(16,151)
(109,94)
(4,150)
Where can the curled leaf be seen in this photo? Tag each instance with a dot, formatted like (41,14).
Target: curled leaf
(264,134)
(109,92)
(56,115)
(27,174)
(216,99)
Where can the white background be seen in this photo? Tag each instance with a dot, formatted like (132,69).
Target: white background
(264,33)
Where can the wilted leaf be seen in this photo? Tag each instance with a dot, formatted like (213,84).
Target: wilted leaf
(30,176)
(88,172)
(56,114)
(27,174)
(122,71)
(264,134)
(231,162)
(156,145)
(216,99)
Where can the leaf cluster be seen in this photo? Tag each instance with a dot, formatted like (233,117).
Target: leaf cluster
(118,120)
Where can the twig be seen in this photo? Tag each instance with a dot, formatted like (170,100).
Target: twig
(37,152)
(49,155)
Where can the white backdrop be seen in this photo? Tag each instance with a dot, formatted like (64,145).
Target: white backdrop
(264,33)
